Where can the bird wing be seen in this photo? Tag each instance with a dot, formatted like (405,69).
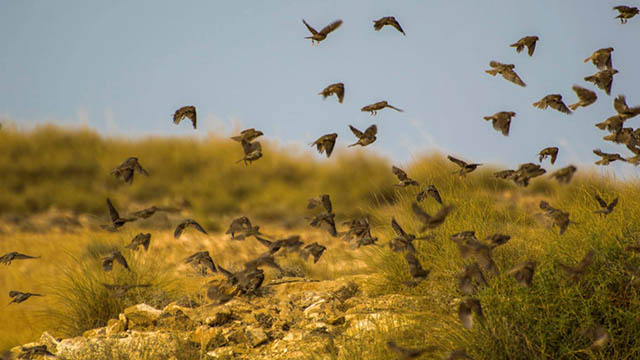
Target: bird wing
(326,202)
(399,173)
(396,25)
(586,261)
(139,169)
(531,47)
(420,213)
(312,30)
(603,204)
(511,75)
(457,161)
(613,204)
(179,229)
(19,256)
(371,131)
(197,226)
(331,27)
(620,104)
(119,258)
(359,134)
(113,214)
(396,227)
(329,143)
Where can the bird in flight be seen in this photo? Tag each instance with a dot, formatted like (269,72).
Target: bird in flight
(586,97)
(601,58)
(387,20)
(317,36)
(107,261)
(548,152)
(127,169)
(326,143)
(603,79)
(188,111)
(337,89)
(431,191)
(528,41)
(366,138)
(402,176)
(116,220)
(501,121)
(605,208)
(186,224)
(375,107)
(140,240)
(626,12)
(247,135)
(553,101)
(507,71)
(465,168)
(19,296)
(6,259)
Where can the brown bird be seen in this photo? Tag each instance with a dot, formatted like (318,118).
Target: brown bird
(19,296)
(607,158)
(107,261)
(525,173)
(374,108)
(605,209)
(403,241)
(138,240)
(565,174)
(292,243)
(9,257)
(402,176)
(612,123)
(548,151)
(316,250)
(387,20)
(577,273)
(405,353)
(337,89)
(185,112)
(29,352)
(119,291)
(252,151)
(625,13)
(148,212)
(501,121)
(528,41)
(523,273)
(116,220)
(507,71)
(241,228)
(625,112)
(326,143)
(601,58)
(247,281)
(247,135)
(467,309)
(325,221)
(127,168)
(323,200)
(586,97)
(430,191)
(465,168)
(428,221)
(469,245)
(603,79)
(360,230)
(560,218)
(554,101)
(203,261)
(366,138)
(471,279)
(504,174)
(418,273)
(264,259)
(316,36)
(184,225)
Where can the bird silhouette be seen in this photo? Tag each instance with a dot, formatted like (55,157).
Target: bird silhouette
(465,168)
(507,71)
(150,211)
(127,168)
(116,220)
(548,151)
(586,97)
(375,107)
(317,36)
(316,250)
(140,240)
(471,279)
(607,158)
(252,151)
(107,261)
(203,261)
(565,174)
(501,121)
(560,218)
(387,20)
(528,41)
(337,89)
(623,110)
(626,12)
(605,208)
(523,272)
(247,135)
(186,224)
(418,273)
(7,258)
(403,178)
(430,191)
(326,143)
(19,296)
(603,79)
(578,272)
(553,101)
(429,221)
(601,58)
(241,228)
(188,111)
(366,138)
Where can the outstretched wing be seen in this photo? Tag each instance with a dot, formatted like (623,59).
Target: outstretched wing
(356,132)
(197,226)
(620,104)
(113,214)
(613,204)
(399,173)
(457,161)
(179,229)
(603,204)
(396,227)
(312,30)
(371,131)
(329,28)
(420,214)
(513,77)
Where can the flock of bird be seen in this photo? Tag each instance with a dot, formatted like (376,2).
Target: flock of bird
(357,233)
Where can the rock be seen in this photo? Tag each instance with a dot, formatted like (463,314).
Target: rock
(115,326)
(207,337)
(222,315)
(175,317)
(95,332)
(224,353)
(257,336)
(141,315)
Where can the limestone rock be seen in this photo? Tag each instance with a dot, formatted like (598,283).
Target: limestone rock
(141,315)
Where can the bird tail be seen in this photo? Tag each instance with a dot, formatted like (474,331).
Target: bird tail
(354,144)
(395,108)
(487,118)
(590,78)
(492,72)
(574,106)
(237,138)
(538,104)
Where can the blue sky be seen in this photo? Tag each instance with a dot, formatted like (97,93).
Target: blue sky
(123,67)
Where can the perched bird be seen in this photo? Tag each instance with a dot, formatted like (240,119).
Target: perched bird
(323,200)
(603,79)
(524,272)
(119,291)
(374,108)
(116,220)
(428,221)
(598,335)
(467,309)
(471,278)
(387,20)
(292,243)
(138,240)
(316,36)
(203,261)
(107,261)
(501,121)
(577,273)
(366,138)
(607,158)
(29,352)
(19,296)
(9,257)
(605,209)
(465,168)
(601,58)
(252,151)
(565,174)
(554,101)
(325,221)
(626,12)
(148,212)
(402,176)
(406,354)
(247,135)
(431,191)
(185,224)
(548,151)
(586,97)
(528,41)
(185,112)
(560,218)
(621,107)
(127,169)
(337,89)
(418,273)
(241,228)
(507,71)
(316,250)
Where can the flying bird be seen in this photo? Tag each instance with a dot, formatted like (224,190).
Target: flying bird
(626,12)
(118,291)
(252,151)
(387,20)
(107,261)
(501,121)
(528,41)
(428,221)
(325,221)
(523,273)
(548,151)
(586,97)
(140,240)
(418,273)
(504,174)
(607,158)
(402,176)
(578,272)
(471,279)
(116,220)
(560,218)
(323,200)
(605,208)
(601,58)
(292,243)
(623,110)
(148,212)
(469,245)
(19,296)
(316,250)
(366,138)
(403,241)
(565,174)
(185,112)
(612,123)
(554,101)
(247,135)
(430,191)
(127,169)
(326,143)
(465,168)
(316,36)
(6,259)
(360,231)
(337,89)
(374,108)
(203,261)
(507,71)
(603,79)
(186,224)
(467,309)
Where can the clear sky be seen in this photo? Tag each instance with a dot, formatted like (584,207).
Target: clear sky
(124,67)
